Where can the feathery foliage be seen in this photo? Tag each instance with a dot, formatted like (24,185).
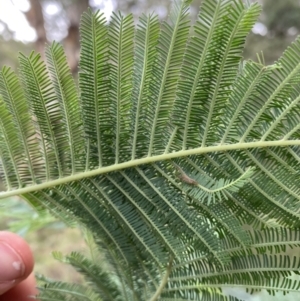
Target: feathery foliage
(168,151)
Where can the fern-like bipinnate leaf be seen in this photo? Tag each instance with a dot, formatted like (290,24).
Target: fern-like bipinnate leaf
(167,152)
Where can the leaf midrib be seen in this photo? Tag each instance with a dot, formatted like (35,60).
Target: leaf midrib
(147,160)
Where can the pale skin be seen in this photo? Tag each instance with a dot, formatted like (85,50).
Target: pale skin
(17,281)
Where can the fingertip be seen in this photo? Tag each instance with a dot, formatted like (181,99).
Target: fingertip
(20,246)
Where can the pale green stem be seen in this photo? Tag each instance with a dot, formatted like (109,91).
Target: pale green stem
(147,160)
(163,282)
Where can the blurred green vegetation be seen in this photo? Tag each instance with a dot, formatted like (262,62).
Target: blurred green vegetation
(9,50)
(45,234)
(19,217)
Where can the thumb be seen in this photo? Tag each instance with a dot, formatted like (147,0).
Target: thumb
(16,261)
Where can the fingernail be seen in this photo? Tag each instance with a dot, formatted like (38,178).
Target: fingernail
(11,265)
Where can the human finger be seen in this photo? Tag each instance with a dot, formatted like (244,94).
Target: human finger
(16,261)
(23,291)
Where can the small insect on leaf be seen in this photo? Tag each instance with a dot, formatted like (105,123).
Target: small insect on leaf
(184,177)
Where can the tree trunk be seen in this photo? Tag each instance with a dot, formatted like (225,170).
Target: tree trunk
(71,42)
(36,20)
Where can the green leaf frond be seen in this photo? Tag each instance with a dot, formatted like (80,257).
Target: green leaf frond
(210,294)
(166,71)
(10,150)
(103,283)
(70,135)
(255,272)
(167,151)
(121,33)
(227,23)
(18,133)
(146,40)
(40,96)
(272,117)
(246,269)
(66,291)
(94,84)
(201,187)
(201,297)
